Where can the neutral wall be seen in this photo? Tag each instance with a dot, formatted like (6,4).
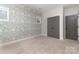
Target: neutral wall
(71,10)
(51,13)
(21,24)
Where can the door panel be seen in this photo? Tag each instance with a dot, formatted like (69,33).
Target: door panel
(53,27)
(71,27)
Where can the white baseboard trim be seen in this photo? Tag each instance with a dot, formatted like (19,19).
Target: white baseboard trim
(15,41)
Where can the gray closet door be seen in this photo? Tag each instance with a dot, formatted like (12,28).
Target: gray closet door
(53,27)
(72,27)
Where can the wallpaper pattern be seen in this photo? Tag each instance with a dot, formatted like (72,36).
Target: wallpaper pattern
(21,24)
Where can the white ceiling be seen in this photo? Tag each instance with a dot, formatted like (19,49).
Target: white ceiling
(43,7)
(47,7)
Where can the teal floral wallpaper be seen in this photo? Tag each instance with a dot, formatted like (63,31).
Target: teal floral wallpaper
(22,23)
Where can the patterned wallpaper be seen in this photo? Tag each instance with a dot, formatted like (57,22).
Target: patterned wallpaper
(21,24)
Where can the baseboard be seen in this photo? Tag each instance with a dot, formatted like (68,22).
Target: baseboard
(18,40)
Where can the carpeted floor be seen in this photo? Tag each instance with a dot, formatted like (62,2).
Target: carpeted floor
(42,45)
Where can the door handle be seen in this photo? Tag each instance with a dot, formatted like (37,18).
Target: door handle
(52,27)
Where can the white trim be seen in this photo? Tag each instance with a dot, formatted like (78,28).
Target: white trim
(18,40)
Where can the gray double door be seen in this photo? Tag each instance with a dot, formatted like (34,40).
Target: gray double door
(71,23)
(53,27)
(71,27)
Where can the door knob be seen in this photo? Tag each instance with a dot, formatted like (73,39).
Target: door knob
(52,27)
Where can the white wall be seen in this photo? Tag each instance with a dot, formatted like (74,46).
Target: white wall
(22,23)
(71,10)
(54,12)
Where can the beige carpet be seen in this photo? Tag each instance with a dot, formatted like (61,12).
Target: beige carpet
(42,45)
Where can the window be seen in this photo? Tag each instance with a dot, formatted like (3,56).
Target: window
(4,14)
